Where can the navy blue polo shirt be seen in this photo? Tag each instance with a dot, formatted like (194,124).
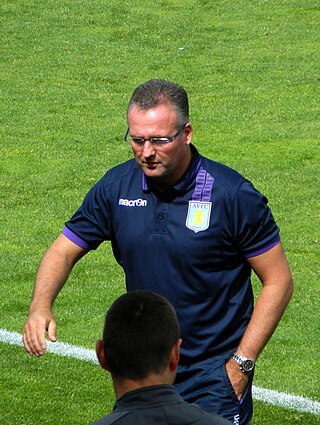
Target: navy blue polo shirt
(188,243)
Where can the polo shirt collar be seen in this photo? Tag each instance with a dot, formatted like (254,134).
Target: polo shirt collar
(144,397)
(186,179)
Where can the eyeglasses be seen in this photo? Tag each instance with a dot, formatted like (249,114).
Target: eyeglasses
(153,140)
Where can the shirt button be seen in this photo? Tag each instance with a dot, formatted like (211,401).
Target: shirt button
(160,216)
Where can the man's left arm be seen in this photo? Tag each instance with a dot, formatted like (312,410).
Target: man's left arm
(273,270)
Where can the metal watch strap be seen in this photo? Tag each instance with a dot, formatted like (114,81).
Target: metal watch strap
(246,364)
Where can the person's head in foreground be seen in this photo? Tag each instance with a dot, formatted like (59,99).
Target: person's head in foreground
(141,341)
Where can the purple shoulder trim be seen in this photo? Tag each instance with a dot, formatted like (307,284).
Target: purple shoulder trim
(75,239)
(203,189)
(266,248)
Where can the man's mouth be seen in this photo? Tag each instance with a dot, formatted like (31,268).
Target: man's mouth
(150,164)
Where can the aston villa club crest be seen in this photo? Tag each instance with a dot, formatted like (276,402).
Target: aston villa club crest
(198,217)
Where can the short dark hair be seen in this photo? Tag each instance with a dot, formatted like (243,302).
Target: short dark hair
(140,330)
(156,92)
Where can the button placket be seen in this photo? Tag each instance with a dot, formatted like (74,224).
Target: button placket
(161,217)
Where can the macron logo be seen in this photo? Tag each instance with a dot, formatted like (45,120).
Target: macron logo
(133,202)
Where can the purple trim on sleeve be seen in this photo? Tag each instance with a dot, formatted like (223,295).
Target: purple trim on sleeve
(75,239)
(266,248)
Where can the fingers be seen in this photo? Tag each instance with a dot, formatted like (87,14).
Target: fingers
(52,331)
(34,332)
(238,379)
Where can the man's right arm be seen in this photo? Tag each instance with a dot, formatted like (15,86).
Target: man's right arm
(52,274)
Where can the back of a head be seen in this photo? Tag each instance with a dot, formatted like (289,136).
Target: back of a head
(156,92)
(140,330)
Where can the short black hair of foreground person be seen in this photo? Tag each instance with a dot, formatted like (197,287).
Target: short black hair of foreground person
(140,330)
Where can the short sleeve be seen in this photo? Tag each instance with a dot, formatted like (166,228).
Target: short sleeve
(91,222)
(254,226)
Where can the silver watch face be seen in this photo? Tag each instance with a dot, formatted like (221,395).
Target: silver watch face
(247,365)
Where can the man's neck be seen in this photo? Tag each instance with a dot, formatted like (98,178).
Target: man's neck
(123,386)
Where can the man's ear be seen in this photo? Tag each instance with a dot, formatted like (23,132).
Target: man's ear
(188,133)
(175,355)
(100,354)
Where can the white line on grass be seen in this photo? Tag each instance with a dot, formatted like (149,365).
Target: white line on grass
(276,398)
(60,348)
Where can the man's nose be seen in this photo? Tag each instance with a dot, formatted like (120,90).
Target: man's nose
(148,149)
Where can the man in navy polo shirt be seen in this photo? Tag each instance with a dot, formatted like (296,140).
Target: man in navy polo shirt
(191,230)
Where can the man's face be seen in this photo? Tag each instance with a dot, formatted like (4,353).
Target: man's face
(164,163)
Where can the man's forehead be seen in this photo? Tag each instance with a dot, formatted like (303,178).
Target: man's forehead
(163,111)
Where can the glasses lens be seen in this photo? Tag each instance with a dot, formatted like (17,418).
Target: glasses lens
(159,140)
(137,140)
(154,140)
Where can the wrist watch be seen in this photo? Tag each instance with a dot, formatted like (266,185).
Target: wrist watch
(246,364)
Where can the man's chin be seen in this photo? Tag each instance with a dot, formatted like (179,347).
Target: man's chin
(152,171)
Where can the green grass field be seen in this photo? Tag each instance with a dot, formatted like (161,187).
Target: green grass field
(251,69)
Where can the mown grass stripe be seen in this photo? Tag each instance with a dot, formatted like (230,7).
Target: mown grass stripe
(275,398)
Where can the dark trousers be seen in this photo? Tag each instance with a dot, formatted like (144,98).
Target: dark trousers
(207,384)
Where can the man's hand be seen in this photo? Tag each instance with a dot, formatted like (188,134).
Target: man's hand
(238,379)
(52,274)
(36,325)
